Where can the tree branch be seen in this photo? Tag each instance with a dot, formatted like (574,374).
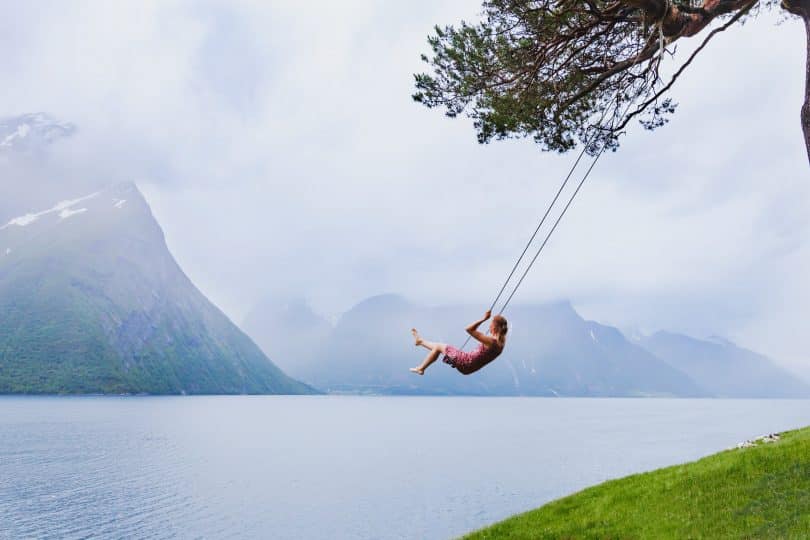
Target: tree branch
(678,73)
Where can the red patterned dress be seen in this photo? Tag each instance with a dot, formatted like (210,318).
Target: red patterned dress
(470,362)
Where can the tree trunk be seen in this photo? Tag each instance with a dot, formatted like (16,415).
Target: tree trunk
(802,9)
(805,115)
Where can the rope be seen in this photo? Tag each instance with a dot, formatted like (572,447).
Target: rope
(559,219)
(548,236)
(539,226)
(562,187)
(542,221)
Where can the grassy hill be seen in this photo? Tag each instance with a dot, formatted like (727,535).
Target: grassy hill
(759,492)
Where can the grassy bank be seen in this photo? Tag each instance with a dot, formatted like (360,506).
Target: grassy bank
(759,492)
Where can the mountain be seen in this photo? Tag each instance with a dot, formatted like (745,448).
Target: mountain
(29,178)
(32,132)
(288,331)
(91,300)
(724,369)
(551,350)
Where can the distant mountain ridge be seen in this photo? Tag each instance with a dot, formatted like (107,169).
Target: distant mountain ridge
(551,351)
(723,369)
(93,302)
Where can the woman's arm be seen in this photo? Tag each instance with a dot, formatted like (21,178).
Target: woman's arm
(483,338)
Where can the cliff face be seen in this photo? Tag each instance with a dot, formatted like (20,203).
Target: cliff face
(93,301)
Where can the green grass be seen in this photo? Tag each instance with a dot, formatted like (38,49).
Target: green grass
(760,492)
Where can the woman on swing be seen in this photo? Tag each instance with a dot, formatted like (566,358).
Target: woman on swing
(492,344)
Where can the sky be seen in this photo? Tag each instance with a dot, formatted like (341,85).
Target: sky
(279,148)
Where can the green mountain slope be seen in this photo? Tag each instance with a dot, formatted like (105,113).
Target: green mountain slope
(759,492)
(91,300)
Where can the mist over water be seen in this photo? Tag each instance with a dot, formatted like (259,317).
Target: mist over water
(338,467)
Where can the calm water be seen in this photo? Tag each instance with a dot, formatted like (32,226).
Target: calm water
(334,467)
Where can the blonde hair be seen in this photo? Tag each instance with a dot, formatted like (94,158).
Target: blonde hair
(501,326)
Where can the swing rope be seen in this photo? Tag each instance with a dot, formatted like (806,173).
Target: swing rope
(537,230)
(553,228)
(662,48)
(545,215)
(543,219)
(565,209)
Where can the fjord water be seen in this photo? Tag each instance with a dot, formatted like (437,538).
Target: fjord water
(334,467)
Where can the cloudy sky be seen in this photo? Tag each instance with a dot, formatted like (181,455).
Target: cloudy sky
(279,148)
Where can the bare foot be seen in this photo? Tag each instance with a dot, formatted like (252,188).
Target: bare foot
(417,371)
(416,337)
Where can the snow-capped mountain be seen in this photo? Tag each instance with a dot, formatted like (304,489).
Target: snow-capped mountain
(91,300)
(31,132)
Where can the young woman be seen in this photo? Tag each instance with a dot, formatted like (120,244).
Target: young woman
(492,344)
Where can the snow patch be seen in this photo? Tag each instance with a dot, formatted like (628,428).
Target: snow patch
(67,212)
(118,203)
(22,221)
(62,207)
(22,131)
(31,129)
(593,337)
(8,251)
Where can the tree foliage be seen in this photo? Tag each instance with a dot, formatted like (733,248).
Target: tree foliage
(568,71)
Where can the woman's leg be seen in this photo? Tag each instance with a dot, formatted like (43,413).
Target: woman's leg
(432,356)
(430,345)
